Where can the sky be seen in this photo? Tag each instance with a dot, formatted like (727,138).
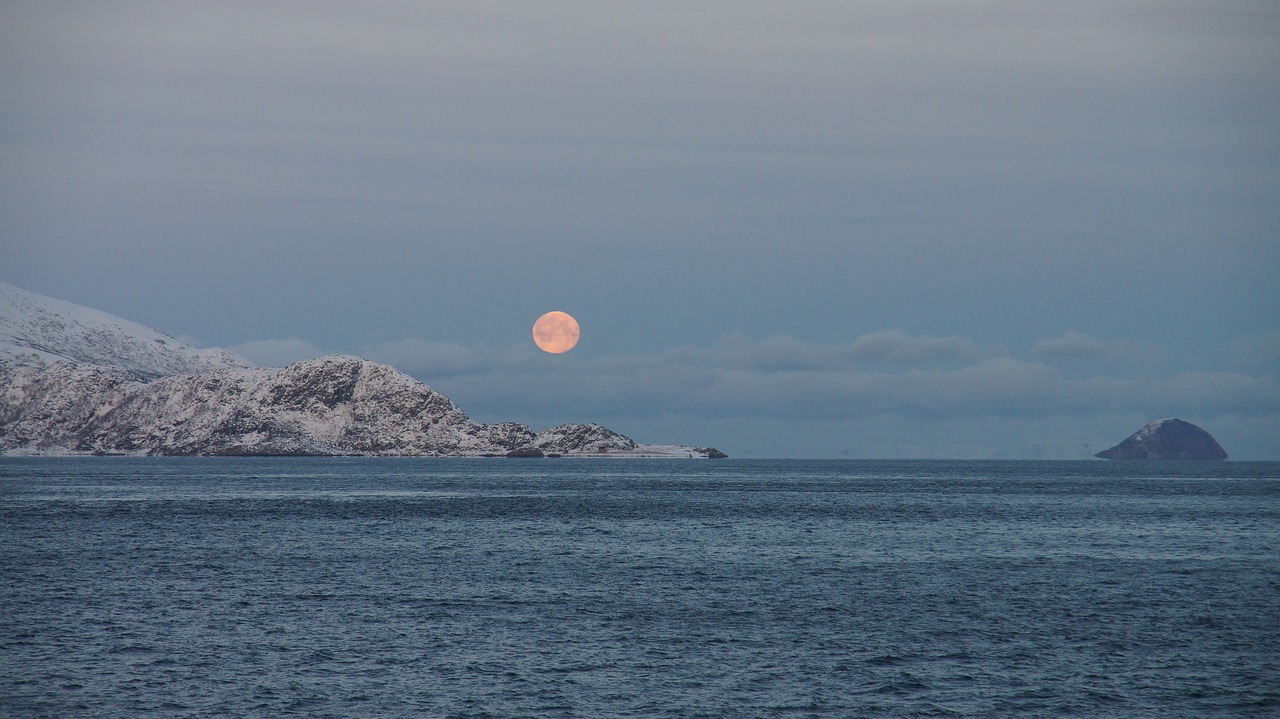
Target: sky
(872,229)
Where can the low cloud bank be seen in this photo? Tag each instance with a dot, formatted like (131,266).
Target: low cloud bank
(1001,386)
(882,373)
(277,352)
(797,388)
(890,373)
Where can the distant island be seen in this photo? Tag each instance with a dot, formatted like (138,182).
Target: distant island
(79,381)
(1167,439)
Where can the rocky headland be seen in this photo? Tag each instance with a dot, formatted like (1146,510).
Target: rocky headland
(79,381)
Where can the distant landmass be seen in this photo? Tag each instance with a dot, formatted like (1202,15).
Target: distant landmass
(1167,439)
(79,381)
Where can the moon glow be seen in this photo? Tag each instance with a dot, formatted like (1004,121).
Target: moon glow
(555,332)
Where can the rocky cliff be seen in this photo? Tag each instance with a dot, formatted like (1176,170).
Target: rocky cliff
(332,405)
(1167,439)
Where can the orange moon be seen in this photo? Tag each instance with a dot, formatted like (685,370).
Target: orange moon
(555,332)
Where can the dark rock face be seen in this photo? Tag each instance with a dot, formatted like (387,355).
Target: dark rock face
(1167,439)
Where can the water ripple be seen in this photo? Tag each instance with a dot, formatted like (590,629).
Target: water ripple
(372,588)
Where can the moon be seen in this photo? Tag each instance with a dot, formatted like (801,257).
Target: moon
(555,332)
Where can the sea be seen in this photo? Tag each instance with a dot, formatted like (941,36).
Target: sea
(599,588)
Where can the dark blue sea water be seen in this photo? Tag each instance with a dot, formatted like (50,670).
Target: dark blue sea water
(637,588)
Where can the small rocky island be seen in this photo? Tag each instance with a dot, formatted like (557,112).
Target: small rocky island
(1167,439)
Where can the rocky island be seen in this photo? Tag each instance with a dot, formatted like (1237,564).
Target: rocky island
(78,381)
(1167,439)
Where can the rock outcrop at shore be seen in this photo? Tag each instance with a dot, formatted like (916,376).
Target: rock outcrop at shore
(328,406)
(1167,439)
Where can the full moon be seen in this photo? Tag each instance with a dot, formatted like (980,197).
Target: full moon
(555,332)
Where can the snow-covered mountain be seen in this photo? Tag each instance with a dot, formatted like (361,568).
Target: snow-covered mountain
(78,381)
(38,330)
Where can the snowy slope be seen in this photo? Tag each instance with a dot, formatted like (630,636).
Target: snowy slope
(38,330)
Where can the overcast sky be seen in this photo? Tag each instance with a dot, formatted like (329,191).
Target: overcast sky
(868,229)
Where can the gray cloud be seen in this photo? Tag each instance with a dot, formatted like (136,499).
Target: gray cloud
(1071,345)
(897,347)
(277,352)
(434,359)
(781,353)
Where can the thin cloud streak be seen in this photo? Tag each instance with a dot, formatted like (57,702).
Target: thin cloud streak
(1079,345)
